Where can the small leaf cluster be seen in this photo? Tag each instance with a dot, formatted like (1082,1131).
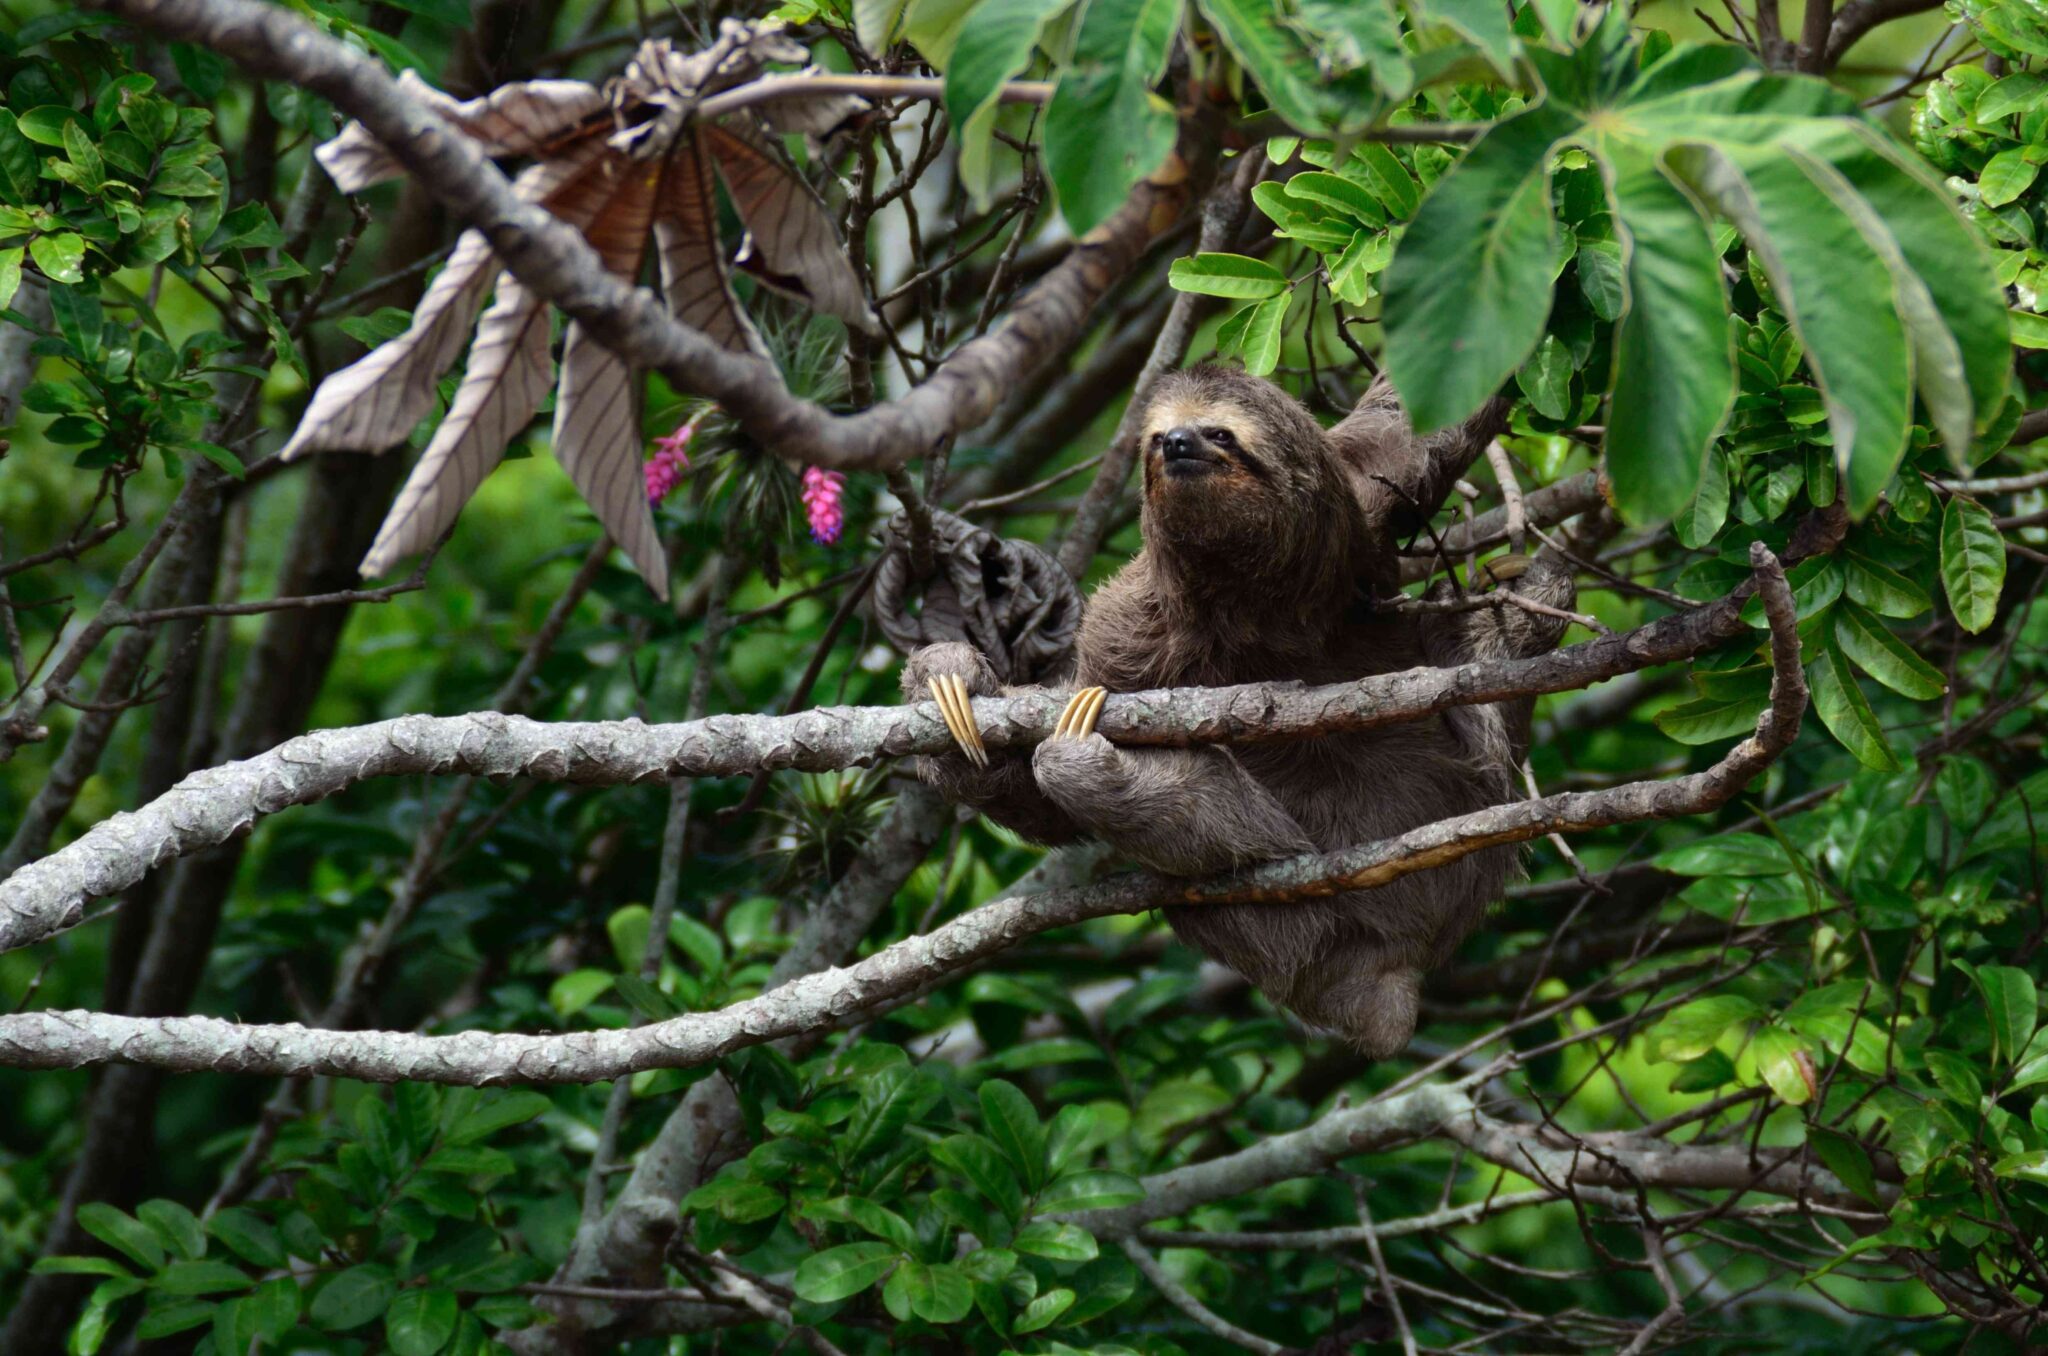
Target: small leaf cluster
(858,1187)
(388,1230)
(1912,1044)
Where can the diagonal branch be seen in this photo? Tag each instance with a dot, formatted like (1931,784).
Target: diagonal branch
(901,972)
(558,265)
(212,806)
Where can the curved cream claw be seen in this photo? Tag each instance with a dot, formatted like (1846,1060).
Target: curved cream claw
(1083,709)
(958,712)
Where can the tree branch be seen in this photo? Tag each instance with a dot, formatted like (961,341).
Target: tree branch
(560,267)
(210,807)
(909,968)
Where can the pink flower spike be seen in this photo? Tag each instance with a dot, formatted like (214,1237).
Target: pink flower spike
(821,493)
(671,459)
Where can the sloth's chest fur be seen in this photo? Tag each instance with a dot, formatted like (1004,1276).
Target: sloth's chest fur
(1341,789)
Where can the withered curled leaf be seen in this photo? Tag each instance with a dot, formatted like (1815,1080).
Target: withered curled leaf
(632,168)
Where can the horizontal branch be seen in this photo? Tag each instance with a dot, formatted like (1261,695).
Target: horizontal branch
(1545,507)
(214,805)
(898,973)
(558,265)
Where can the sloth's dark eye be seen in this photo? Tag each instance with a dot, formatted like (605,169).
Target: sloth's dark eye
(1222,437)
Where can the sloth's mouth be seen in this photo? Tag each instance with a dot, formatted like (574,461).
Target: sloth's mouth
(1192,461)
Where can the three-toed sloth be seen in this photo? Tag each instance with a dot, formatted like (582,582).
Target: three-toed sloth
(1267,540)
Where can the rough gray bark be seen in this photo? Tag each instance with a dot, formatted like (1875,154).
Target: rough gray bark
(211,807)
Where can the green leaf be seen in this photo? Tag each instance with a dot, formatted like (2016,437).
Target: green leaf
(1674,354)
(44,125)
(889,1100)
(80,151)
(2011,1004)
(499,1111)
(1090,1190)
(1546,379)
(1948,292)
(1835,288)
(981,1163)
(937,1294)
(354,1297)
(875,23)
(1485,23)
(1226,275)
(386,322)
(1263,330)
(177,1226)
(992,50)
(1882,655)
(1469,288)
(1880,588)
(1354,34)
(20,166)
(60,256)
(123,1233)
(1388,178)
(1011,1122)
(201,1278)
(1846,1159)
(2007,175)
(1059,1242)
(1602,281)
(1332,190)
(1842,708)
(1782,1059)
(1687,1032)
(1972,563)
(841,1272)
(1286,70)
(164,1320)
(420,1322)
(78,1266)
(578,989)
(1712,1070)
(1044,1311)
(1727,854)
(1105,129)
(878,1220)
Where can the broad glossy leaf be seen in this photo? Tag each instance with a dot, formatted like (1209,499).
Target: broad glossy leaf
(1469,290)
(1235,276)
(838,1273)
(1689,1031)
(1674,353)
(354,1297)
(1350,34)
(1882,655)
(1880,588)
(1841,706)
(1972,563)
(1728,854)
(991,50)
(2012,1005)
(1782,1059)
(123,1233)
(1285,68)
(1836,290)
(1012,1123)
(1262,334)
(1105,129)
(420,1322)
(1485,23)
(1962,355)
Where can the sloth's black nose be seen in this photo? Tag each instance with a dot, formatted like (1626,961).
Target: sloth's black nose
(1181,443)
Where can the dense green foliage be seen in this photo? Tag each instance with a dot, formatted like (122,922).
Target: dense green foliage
(1745,298)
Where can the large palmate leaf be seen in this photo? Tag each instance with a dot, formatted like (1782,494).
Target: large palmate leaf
(629,169)
(1889,292)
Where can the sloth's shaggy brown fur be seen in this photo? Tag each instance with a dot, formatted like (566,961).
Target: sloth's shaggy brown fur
(1266,538)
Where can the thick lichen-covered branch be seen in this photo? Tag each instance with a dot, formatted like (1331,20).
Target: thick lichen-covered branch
(898,973)
(210,807)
